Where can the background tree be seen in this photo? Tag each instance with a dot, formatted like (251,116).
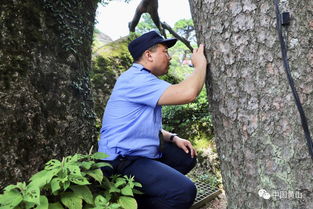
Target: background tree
(258,133)
(186,29)
(46,108)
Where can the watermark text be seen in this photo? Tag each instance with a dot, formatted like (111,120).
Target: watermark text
(287,194)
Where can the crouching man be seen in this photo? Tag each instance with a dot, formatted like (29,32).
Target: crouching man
(132,133)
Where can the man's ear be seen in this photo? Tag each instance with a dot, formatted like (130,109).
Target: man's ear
(148,55)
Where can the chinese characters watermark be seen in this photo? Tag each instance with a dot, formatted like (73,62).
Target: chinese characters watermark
(280,194)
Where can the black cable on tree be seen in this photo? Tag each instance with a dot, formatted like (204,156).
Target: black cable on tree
(284,20)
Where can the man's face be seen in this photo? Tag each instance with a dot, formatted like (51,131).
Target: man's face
(161,60)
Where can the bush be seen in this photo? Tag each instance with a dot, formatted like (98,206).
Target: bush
(191,121)
(76,182)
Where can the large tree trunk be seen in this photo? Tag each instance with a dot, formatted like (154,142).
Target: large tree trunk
(46,108)
(259,137)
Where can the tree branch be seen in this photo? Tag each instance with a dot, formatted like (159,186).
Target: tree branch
(176,35)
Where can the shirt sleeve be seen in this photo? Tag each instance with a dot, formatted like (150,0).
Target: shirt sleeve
(146,89)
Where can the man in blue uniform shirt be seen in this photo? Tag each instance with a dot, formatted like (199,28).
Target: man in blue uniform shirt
(132,133)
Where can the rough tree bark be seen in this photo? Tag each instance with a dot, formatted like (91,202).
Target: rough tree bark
(259,137)
(46,109)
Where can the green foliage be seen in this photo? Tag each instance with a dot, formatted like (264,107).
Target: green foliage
(192,121)
(97,42)
(183,25)
(114,48)
(116,64)
(75,183)
(186,29)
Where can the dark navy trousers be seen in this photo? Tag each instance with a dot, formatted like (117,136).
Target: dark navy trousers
(163,180)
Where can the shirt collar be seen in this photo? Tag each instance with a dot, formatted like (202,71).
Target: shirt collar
(140,67)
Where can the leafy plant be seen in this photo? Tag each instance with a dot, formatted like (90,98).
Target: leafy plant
(121,190)
(75,183)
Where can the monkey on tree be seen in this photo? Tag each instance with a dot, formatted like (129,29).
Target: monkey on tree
(150,7)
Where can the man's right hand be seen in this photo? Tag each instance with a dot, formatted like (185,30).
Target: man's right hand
(198,59)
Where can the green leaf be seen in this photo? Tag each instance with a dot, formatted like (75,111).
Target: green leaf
(55,205)
(137,184)
(127,202)
(87,164)
(43,177)
(44,204)
(66,185)
(79,180)
(32,195)
(74,170)
(71,200)
(84,192)
(135,191)
(120,181)
(100,201)
(40,178)
(9,207)
(10,187)
(108,196)
(130,183)
(127,191)
(103,164)
(55,185)
(29,205)
(71,159)
(63,177)
(99,155)
(52,164)
(11,198)
(114,189)
(20,186)
(96,174)
(115,206)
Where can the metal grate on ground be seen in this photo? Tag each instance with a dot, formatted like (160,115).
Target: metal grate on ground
(204,194)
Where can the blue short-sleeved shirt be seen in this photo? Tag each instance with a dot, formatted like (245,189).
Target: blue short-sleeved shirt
(132,118)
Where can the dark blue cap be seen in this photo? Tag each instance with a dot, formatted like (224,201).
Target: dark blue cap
(147,40)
